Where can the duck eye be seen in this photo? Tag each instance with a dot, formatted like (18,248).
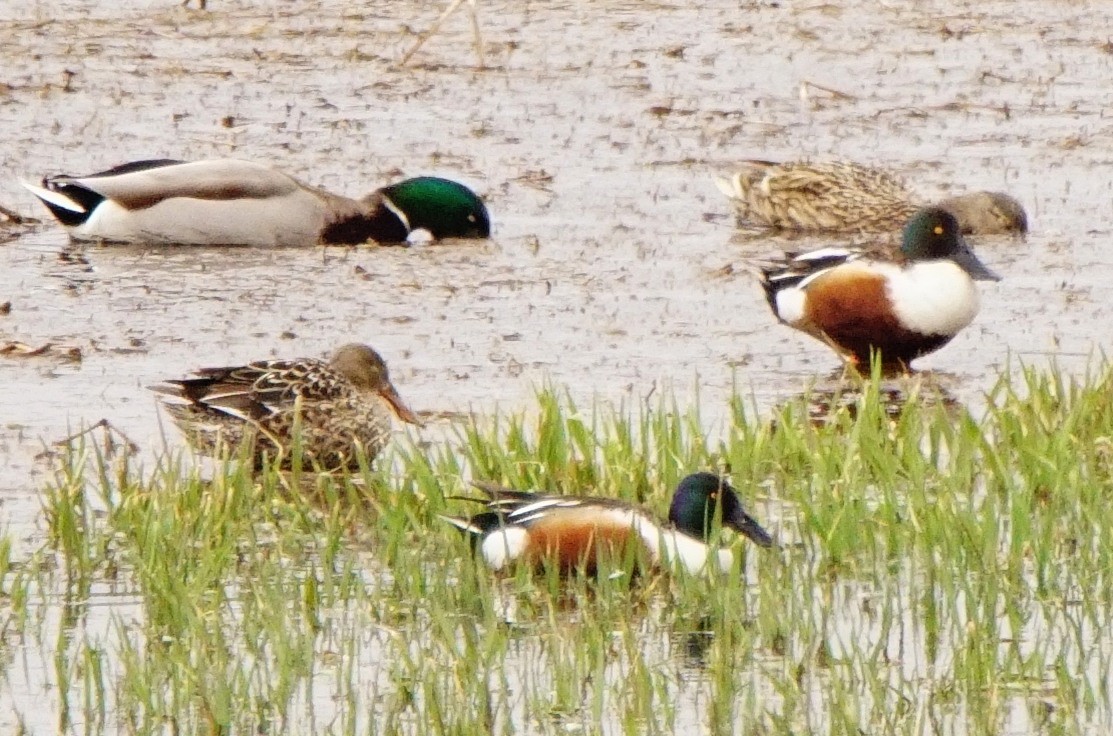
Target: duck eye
(938,229)
(471,218)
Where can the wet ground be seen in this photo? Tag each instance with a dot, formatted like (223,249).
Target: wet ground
(594,134)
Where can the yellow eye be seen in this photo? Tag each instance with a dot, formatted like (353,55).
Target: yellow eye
(938,229)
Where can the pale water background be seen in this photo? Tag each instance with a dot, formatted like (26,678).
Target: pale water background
(614,269)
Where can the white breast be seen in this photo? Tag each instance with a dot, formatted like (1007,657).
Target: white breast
(670,547)
(932,297)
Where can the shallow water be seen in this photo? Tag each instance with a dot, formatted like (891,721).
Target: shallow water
(594,135)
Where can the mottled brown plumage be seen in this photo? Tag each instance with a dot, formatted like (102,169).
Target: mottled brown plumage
(840,196)
(334,409)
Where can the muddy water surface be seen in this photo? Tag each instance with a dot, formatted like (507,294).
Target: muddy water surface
(594,135)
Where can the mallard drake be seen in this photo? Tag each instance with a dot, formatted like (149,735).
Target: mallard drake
(575,533)
(231,202)
(903,307)
(839,196)
(332,409)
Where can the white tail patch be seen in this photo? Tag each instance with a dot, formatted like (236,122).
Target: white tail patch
(790,305)
(502,546)
(54,198)
(731,187)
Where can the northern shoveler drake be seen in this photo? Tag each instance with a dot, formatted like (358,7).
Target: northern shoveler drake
(576,532)
(839,196)
(230,202)
(331,408)
(903,308)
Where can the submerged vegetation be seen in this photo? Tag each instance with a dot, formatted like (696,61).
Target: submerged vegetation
(937,572)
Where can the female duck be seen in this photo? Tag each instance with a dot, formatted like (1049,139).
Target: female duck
(231,202)
(839,196)
(577,533)
(332,410)
(902,308)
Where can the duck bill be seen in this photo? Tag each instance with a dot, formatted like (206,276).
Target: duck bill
(969,263)
(404,412)
(745,525)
